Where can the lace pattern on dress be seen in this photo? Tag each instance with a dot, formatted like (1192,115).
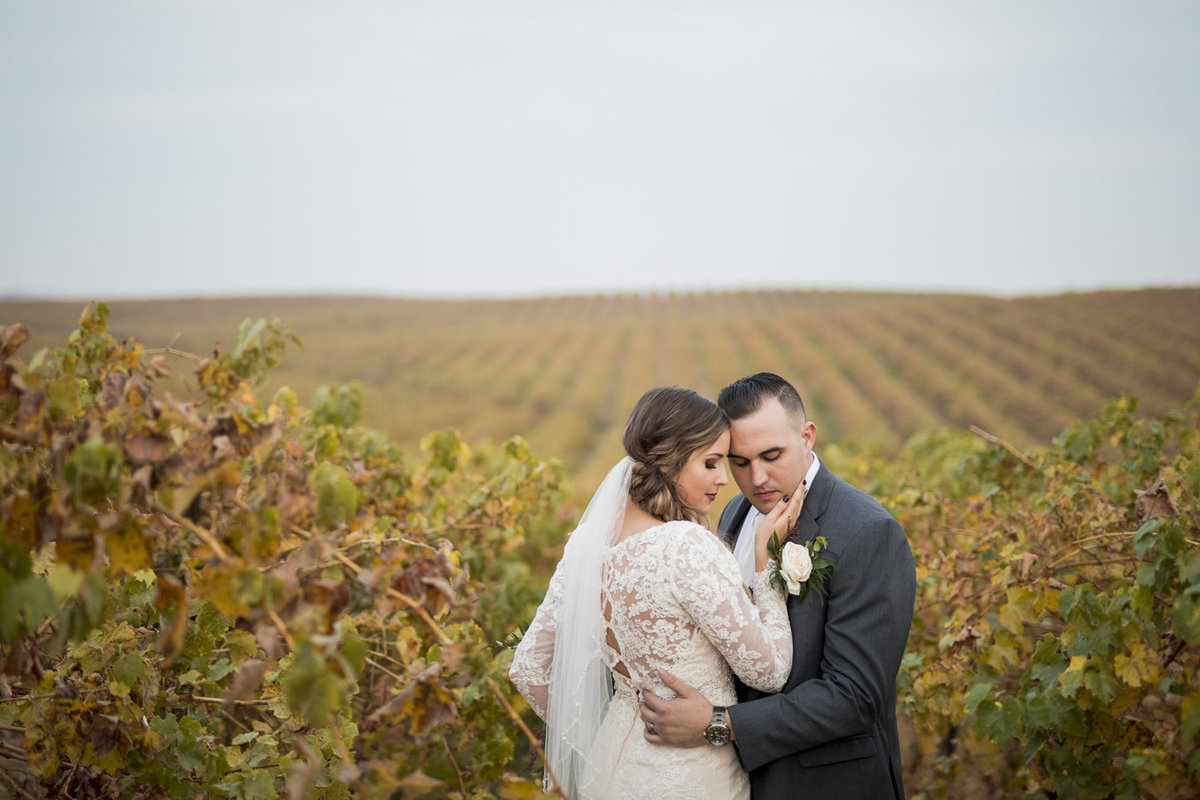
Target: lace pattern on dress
(673,598)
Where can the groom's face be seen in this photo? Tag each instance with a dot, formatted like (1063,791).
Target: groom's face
(769,453)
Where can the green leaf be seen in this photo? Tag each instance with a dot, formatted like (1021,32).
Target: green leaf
(129,667)
(309,686)
(976,695)
(1185,616)
(26,603)
(1067,600)
(1144,539)
(353,652)
(341,407)
(93,471)
(337,496)
(1048,663)
(64,398)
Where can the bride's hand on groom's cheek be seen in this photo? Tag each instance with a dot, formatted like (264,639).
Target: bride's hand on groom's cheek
(780,520)
(679,722)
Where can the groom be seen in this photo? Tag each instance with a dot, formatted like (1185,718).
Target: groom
(831,733)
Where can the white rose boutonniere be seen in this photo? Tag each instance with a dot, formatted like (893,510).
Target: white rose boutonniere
(800,568)
(795,565)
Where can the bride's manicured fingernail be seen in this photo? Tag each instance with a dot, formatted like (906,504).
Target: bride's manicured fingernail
(787,497)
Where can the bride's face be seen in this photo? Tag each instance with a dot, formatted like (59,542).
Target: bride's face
(704,475)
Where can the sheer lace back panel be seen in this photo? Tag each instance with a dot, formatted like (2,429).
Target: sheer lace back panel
(673,599)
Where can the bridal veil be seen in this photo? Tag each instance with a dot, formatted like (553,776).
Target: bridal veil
(580,684)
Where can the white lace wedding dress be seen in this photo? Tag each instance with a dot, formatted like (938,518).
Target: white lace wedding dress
(674,599)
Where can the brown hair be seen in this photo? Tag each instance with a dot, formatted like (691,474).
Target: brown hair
(743,397)
(667,425)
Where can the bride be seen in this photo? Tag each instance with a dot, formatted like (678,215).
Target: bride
(642,586)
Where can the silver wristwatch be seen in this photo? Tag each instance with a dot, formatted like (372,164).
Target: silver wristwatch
(718,731)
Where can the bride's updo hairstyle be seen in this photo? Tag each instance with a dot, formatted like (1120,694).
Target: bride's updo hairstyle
(667,425)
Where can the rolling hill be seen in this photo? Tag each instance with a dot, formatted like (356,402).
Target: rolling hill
(874,368)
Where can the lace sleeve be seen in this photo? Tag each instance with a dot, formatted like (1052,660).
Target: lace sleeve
(530,670)
(756,640)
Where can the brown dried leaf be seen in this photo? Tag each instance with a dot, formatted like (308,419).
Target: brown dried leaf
(417,784)
(270,640)
(31,422)
(136,392)
(146,446)
(1027,562)
(246,682)
(327,595)
(78,552)
(222,449)
(170,638)
(425,702)
(1155,503)
(453,655)
(967,633)
(141,477)
(25,663)
(19,520)
(11,338)
(170,592)
(426,582)
(113,391)
(301,776)
(224,476)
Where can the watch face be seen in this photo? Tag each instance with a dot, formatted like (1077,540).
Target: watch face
(717,735)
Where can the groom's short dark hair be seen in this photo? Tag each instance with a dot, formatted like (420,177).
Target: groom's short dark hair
(746,395)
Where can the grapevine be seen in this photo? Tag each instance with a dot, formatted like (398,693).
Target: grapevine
(1056,646)
(229,596)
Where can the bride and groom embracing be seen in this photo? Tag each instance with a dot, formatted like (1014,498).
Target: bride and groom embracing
(669,662)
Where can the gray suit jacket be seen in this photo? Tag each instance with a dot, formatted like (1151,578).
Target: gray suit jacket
(831,733)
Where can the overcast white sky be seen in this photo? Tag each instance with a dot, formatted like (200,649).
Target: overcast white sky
(444,148)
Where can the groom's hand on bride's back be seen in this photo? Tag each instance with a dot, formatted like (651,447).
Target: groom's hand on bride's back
(679,722)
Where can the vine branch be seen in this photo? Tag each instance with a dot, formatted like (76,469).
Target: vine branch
(996,440)
(520,723)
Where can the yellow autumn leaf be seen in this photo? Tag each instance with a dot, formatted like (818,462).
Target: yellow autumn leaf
(1047,602)
(1018,610)
(520,789)
(1138,667)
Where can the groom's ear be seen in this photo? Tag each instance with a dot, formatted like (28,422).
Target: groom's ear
(808,433)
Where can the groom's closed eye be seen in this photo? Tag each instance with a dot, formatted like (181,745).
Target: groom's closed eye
(766,455)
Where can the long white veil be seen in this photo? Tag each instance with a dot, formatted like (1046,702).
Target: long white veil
(579,678)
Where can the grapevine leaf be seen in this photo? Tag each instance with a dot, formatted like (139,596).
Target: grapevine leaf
(1185,616)
(337,497)
(1071,678)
